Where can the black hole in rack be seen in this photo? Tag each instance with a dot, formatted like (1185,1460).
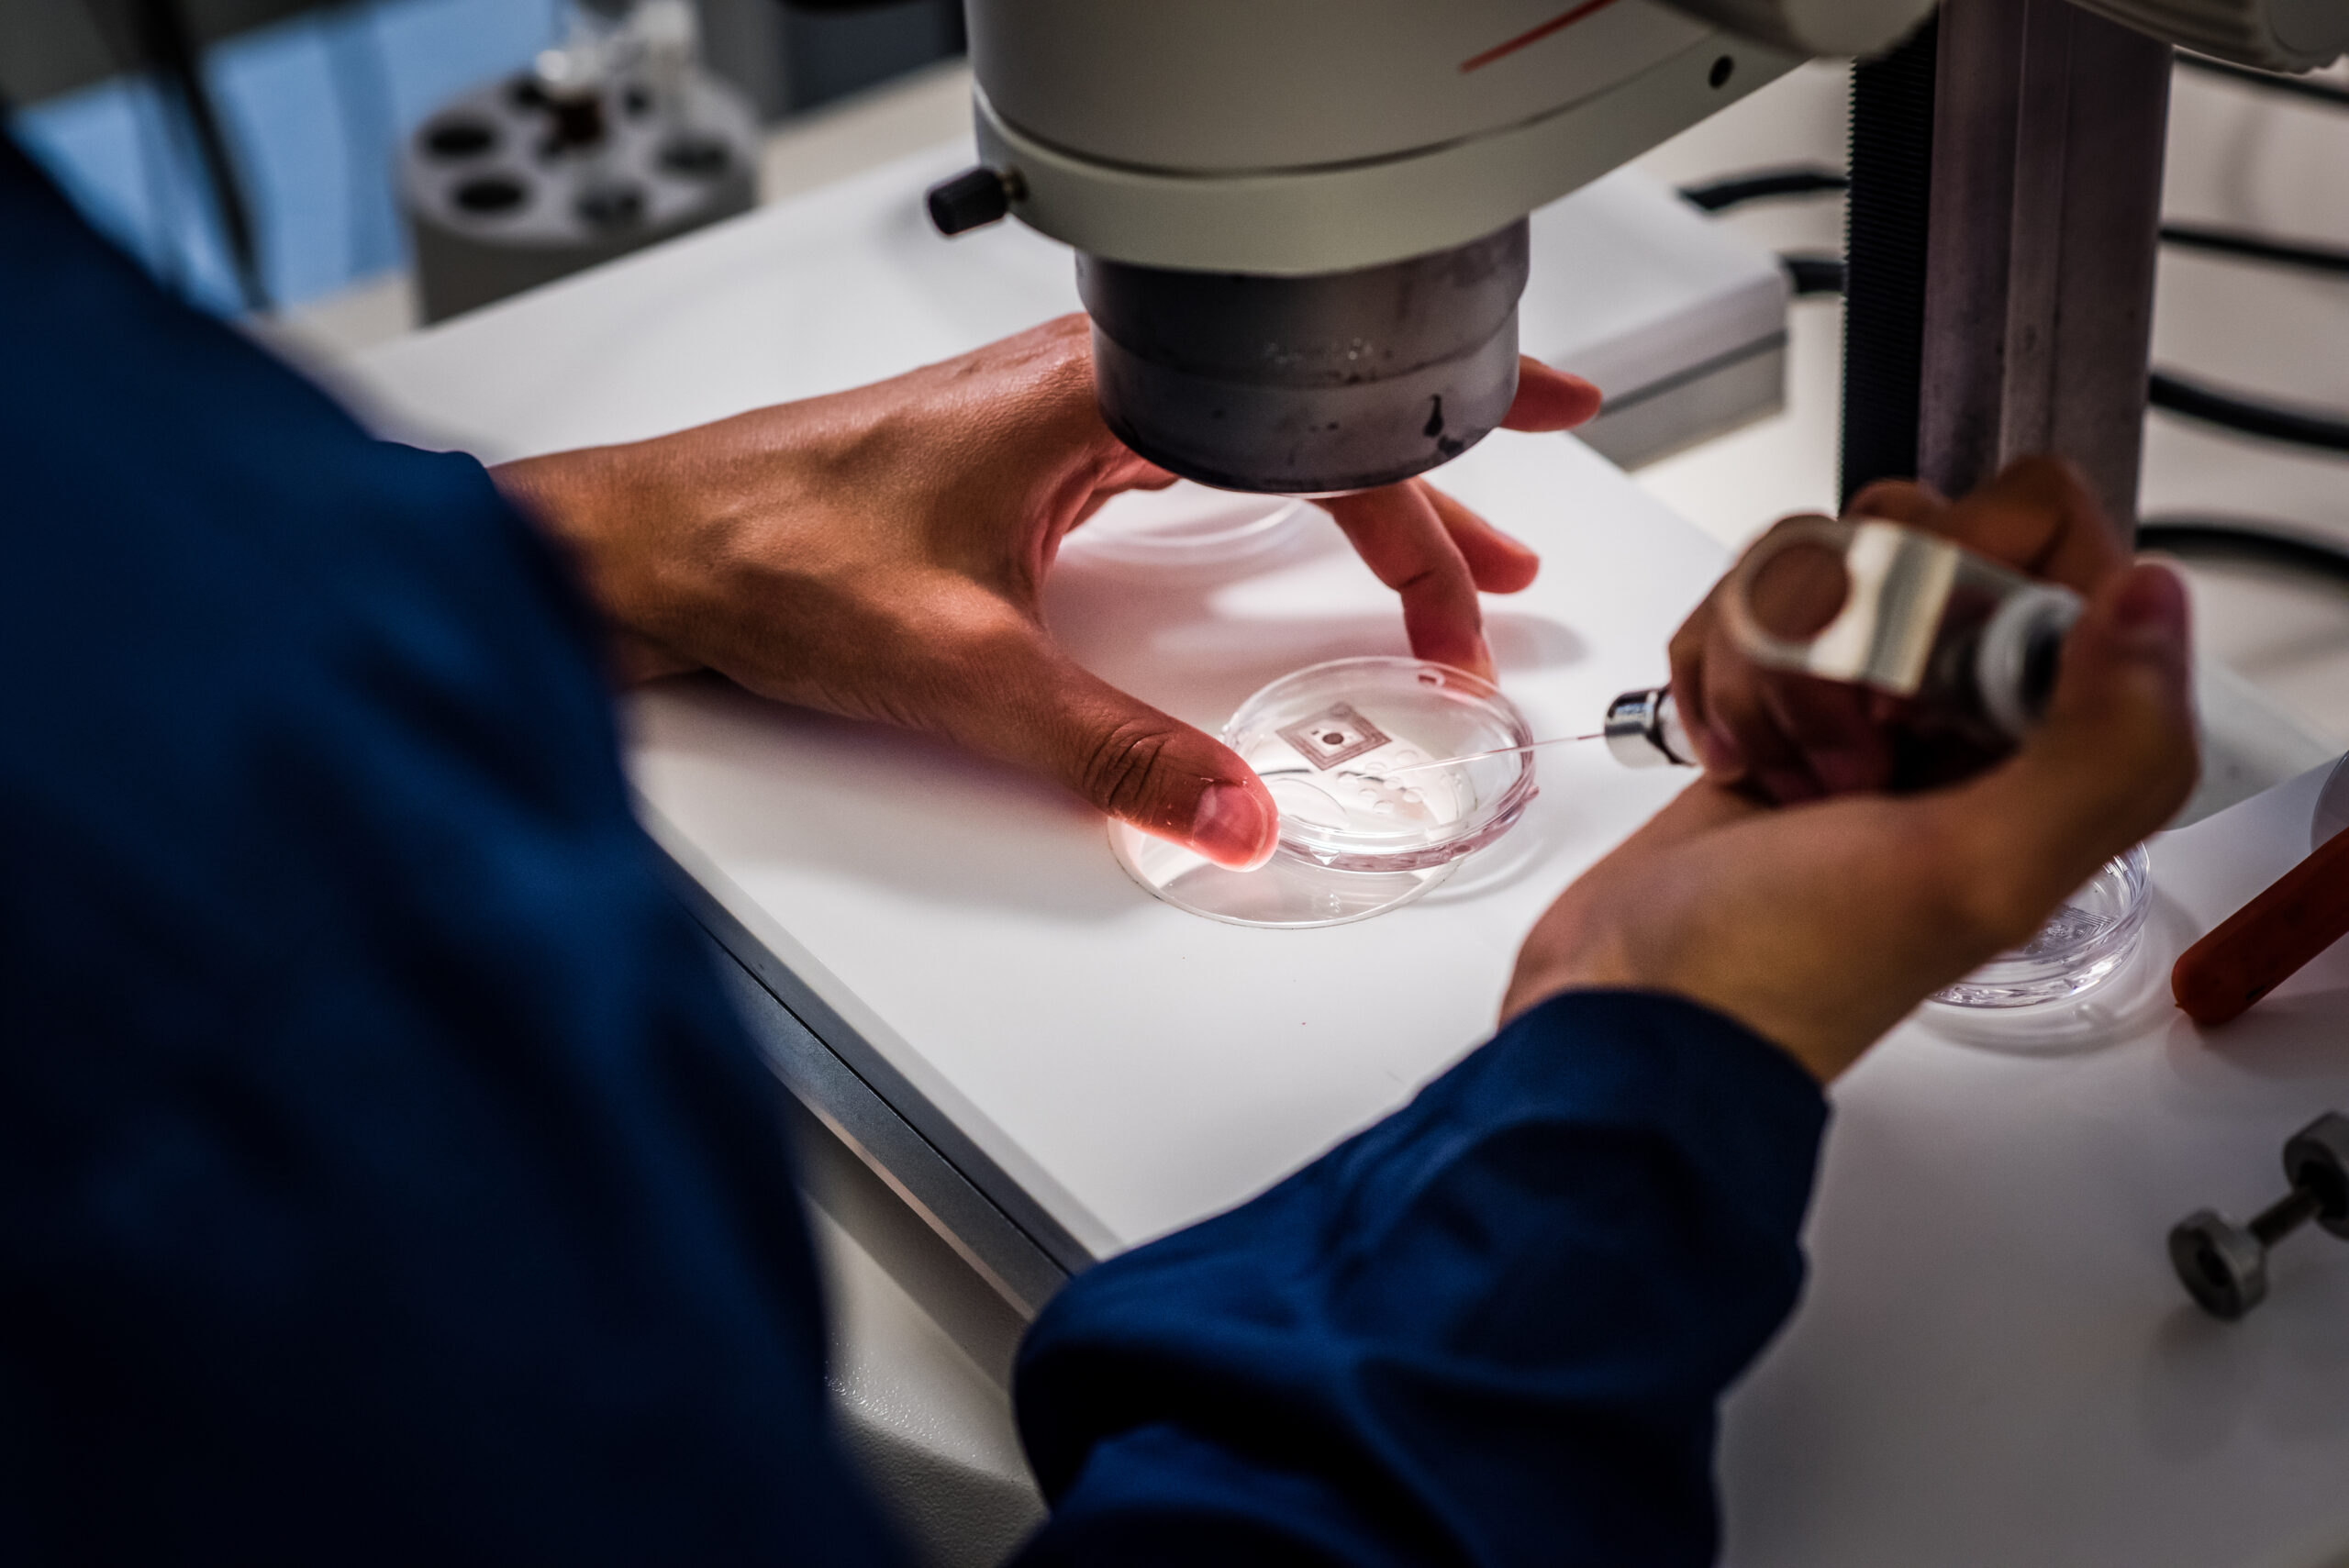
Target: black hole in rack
(460,138)
(490,193)
(700,155)
(1720,72)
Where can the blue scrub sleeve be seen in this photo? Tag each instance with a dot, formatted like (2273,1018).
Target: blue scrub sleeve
(1491,1329)
(383,1180)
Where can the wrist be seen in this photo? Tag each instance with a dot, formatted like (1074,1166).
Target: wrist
(585,503)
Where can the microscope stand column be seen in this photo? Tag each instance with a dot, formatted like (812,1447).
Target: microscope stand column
(2006,307)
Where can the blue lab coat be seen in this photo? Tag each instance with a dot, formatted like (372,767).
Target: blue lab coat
(383,1178)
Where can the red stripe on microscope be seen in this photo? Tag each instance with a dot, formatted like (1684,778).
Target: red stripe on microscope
(1563,20)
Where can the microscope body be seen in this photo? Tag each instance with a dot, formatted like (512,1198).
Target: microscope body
(1300,224)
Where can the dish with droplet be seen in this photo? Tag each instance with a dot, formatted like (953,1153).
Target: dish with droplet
(1186,525)
(2082,945)
(1353,840)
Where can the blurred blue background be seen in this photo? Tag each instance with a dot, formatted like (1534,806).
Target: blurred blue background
(312,108)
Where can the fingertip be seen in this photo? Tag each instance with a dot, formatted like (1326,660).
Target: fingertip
(1550,399)
(1509,568)
(2115,754)
(1468,652)
(1499,562)
(1235,825)
(2141,618)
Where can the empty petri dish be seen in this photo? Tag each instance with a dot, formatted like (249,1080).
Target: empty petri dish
(2082,945)
(1186,525)
(1366,826)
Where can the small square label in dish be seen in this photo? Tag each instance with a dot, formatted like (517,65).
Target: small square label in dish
(1336,734)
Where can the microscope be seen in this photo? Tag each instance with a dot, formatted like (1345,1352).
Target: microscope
(1300,225)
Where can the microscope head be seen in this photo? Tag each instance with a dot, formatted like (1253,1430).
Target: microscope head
(1308,383)
(1300,224)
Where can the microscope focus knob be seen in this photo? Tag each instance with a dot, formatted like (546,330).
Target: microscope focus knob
(972,199)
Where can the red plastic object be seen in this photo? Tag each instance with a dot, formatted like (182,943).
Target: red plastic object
(2259,946)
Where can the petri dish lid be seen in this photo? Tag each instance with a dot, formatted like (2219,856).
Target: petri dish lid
(1341,747)
(1186,525)
(2082,945)
(1284,892)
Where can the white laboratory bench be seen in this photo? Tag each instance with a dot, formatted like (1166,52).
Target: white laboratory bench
(1991,1366)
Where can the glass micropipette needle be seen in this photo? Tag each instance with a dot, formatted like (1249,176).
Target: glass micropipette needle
(1496,752)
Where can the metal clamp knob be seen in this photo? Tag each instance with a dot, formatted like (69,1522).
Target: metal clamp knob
(2224,1265)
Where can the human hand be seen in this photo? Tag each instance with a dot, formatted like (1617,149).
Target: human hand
(1820,924)
(1790,736)
(880,553)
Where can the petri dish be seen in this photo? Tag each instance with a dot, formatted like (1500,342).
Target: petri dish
(1187,526)
(1363,828)
(2084,944)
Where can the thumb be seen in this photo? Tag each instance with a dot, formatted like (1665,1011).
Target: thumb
(1136,763)
(2115,756)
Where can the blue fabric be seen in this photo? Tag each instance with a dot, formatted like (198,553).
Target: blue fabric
(382,1178)
(1491,1329)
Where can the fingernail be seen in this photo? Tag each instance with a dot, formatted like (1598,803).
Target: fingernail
(2151,607)
(1231,828)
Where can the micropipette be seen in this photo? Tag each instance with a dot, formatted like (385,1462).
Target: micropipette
(1496,752)
(1642,731)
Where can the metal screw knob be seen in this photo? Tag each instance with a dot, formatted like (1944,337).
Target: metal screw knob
(2224,1265)
(972,199)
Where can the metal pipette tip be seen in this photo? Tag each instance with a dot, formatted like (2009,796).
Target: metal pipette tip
(1496,752)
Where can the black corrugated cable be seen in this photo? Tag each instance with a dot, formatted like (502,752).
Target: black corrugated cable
(2276,422)
(1798,180)
(2256,247)
(2166,390)
(2249,539)
(1735,190)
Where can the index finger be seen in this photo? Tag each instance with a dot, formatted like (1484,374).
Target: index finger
(1400,537)
(1549,399)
